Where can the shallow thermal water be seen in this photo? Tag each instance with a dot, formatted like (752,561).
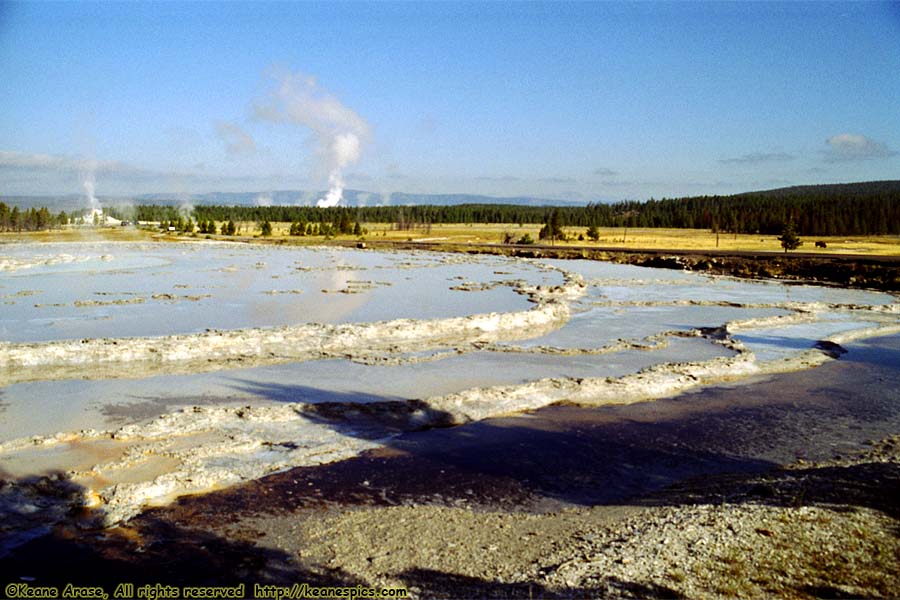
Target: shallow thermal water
(146,371)
(99,290)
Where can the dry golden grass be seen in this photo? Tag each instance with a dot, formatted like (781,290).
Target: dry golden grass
(80,234)
(703,239)
(461,233)
(674,239)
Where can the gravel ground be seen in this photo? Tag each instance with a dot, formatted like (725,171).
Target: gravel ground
(782,534)
(798,533)
(682,497)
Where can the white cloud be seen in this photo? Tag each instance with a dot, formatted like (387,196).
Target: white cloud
(604,172)
(566,180)
(237,141)
(758,157)
(852,147)
(57,163)
(30,173)
(501,179)
(358,177)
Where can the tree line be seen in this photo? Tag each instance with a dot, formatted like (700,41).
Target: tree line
(31,219)
(871,208)
(851,209)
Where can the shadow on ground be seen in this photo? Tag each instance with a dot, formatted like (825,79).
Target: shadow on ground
(157,549)
(152,551)
(451,586)
(304,393)
(874,485)
(721,445)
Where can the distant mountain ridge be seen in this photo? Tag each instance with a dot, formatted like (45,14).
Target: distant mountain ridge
(887,186)
(360,198)
(352,198)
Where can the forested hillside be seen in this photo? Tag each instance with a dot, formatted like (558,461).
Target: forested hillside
(870,208)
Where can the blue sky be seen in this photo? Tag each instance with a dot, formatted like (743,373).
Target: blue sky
(589,101)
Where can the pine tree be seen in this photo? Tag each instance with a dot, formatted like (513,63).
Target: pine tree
(789,238)
(344,225)
(556,231)
(552,230)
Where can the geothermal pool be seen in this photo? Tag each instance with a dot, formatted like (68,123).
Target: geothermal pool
(146,371)
(67,291)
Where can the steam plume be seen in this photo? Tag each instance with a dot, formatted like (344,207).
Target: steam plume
(89,188)
(95,213)
(338,131)
(93,203)
(186,209)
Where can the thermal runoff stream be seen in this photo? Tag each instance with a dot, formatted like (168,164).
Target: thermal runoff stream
(133,373)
